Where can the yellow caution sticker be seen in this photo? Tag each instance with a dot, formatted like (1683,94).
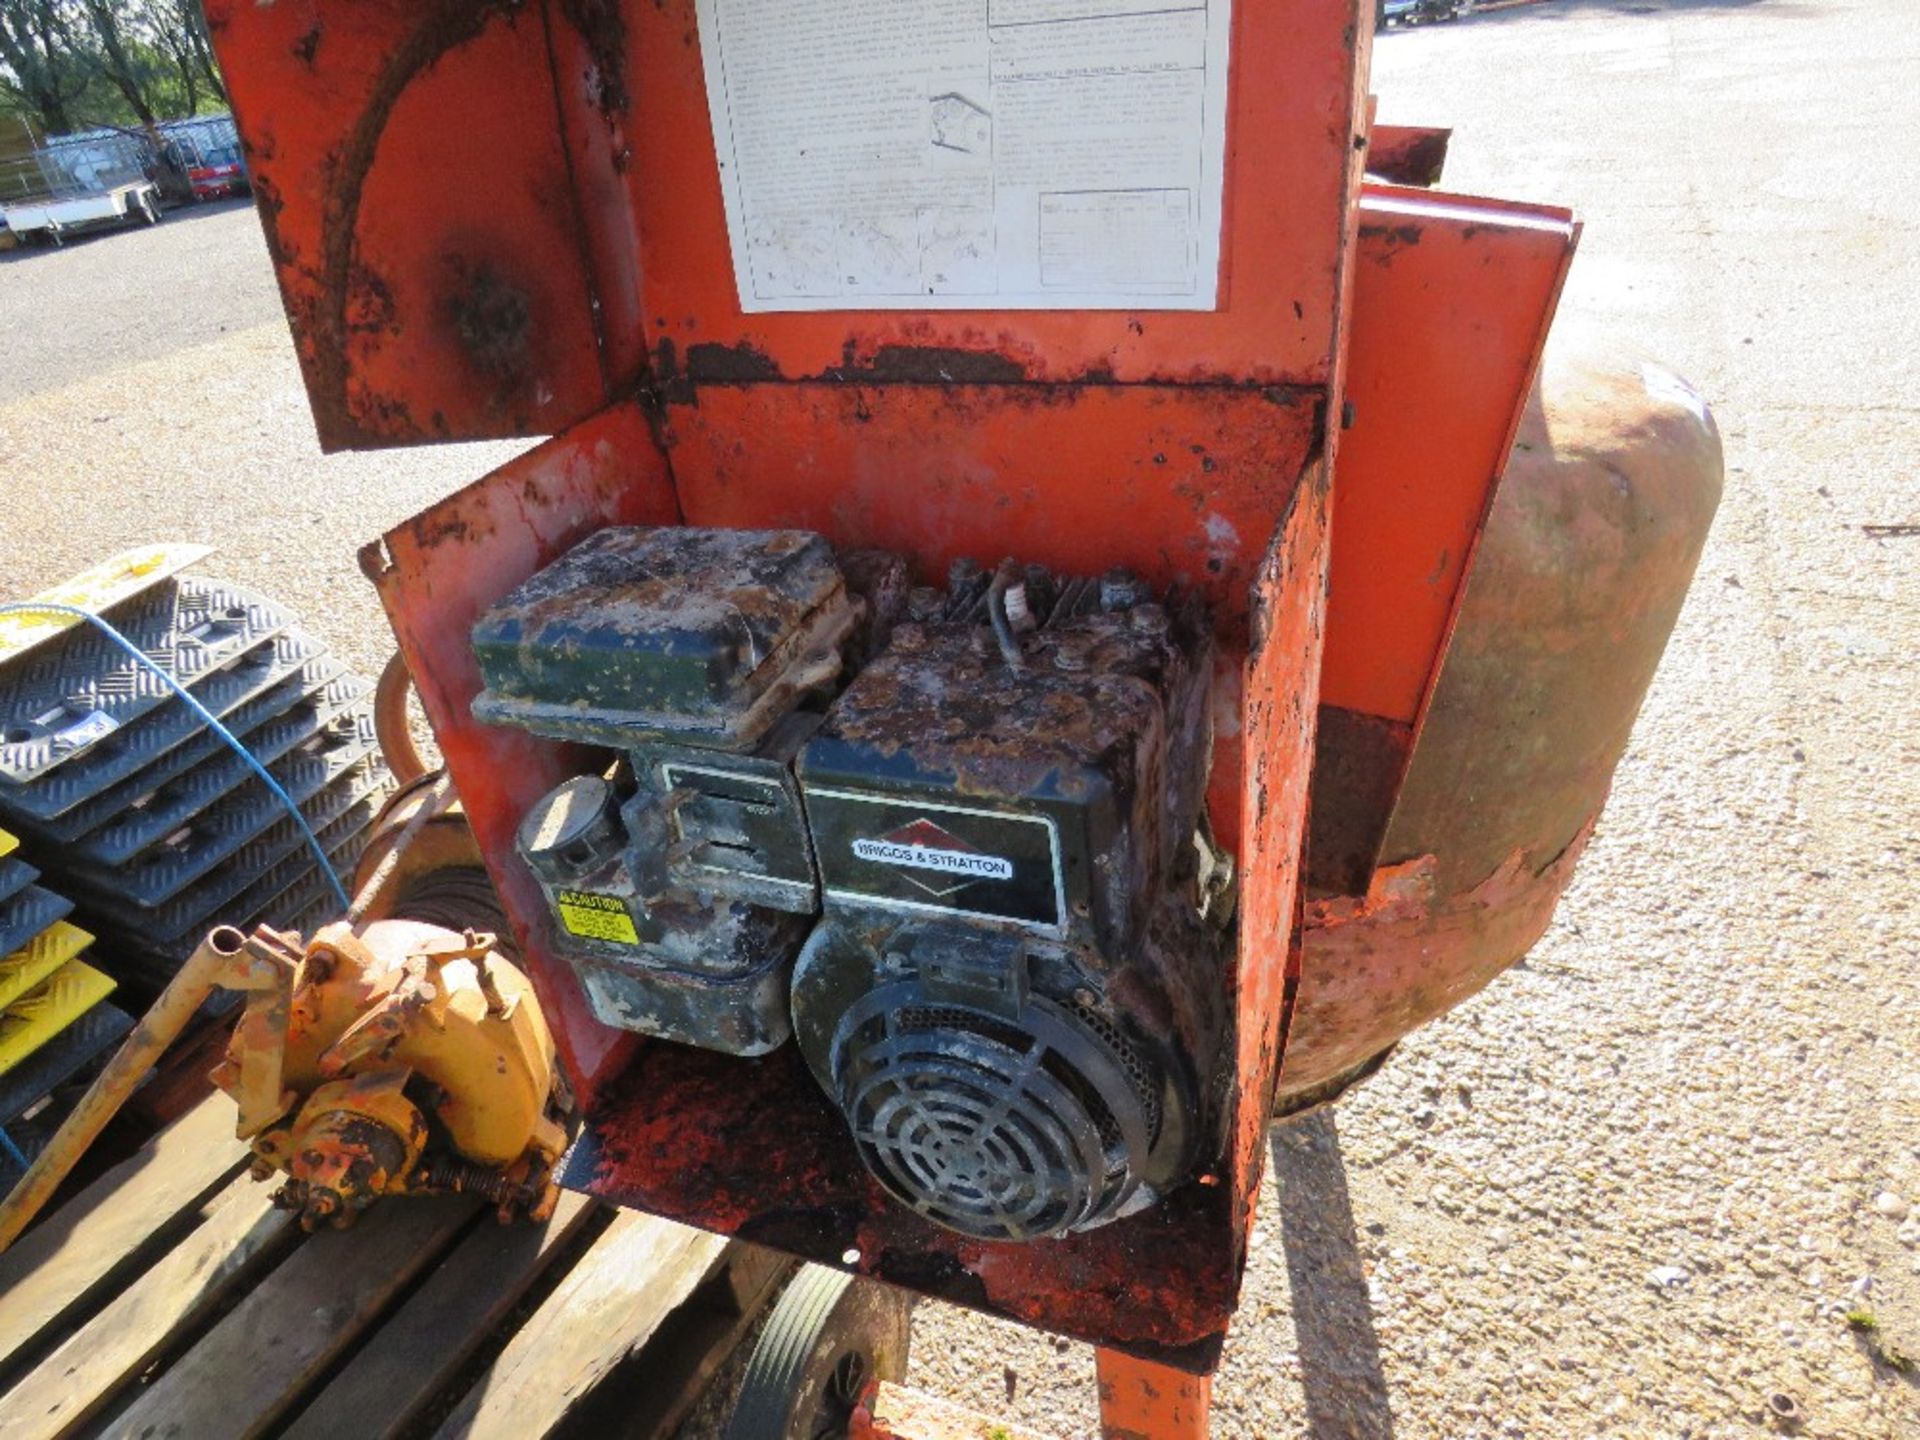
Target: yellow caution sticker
(596,917)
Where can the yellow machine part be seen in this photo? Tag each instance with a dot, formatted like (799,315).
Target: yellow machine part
(399,995)
(7,844)
(42,1013)
(39,958)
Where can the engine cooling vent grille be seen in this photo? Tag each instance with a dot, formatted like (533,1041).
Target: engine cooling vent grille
(1005,1129)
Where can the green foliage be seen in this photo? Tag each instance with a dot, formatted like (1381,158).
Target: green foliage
(68,65)
(1863,1322)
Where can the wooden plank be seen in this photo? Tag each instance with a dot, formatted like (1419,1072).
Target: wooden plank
(618,1294)
(52,1269)
(243,1235)
(251,1367)
(439,1329)
(652,1393)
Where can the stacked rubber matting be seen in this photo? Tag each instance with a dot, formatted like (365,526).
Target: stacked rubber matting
(129,820)
(55,1023)
(133,816)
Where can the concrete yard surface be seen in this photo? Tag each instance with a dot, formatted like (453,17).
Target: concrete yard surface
(1663,1179)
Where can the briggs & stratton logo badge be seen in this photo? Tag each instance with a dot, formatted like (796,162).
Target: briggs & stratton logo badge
(924,845)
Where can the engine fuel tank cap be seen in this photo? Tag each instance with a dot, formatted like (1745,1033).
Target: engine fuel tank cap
(573,829)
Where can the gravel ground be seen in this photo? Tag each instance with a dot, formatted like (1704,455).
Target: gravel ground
(106,300)
(1636,1187)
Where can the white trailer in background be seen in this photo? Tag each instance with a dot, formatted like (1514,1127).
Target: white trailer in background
(52,219)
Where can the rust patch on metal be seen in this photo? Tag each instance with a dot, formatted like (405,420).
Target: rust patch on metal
(1379,965)
(1379,242)
(1358,762)
(603,26)
(370,307)
(443,27)
(1407,154)
(927,365)
(989,378)
(717,364)
(492,319)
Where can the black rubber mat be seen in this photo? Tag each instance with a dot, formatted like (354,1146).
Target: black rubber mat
(61,699)
(155,850)
(15,876)
(138,745)
(27,914)
(335,815)
(320,688)
(86,1040)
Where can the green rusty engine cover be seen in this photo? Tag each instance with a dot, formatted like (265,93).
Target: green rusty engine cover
(705,636)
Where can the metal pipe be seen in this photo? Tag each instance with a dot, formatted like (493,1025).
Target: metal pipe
(391,724)
(382,878)
(159,1028)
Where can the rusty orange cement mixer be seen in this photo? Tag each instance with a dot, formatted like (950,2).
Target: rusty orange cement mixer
(1011,669)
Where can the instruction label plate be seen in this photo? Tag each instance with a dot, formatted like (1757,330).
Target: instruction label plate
(970,154)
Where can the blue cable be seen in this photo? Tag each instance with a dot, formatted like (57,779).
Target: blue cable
(206,718)
(14,1152)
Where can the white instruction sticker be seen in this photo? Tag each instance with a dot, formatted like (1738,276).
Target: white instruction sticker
(970,154)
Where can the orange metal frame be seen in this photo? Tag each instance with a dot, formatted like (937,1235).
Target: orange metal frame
(1138,1401)
(495,219)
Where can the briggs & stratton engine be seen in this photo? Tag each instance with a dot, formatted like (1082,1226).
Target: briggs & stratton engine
(951,840)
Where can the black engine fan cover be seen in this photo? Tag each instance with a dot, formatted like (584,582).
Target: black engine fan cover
(988,1088)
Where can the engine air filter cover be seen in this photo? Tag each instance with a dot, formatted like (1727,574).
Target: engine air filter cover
(704,635)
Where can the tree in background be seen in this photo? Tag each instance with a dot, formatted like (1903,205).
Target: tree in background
(178,29)
(127,67)
(41,74)
(68,65)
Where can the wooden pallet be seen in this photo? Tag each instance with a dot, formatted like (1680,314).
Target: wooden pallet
(170,1299)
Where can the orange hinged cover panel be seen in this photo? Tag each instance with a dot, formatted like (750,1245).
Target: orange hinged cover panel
(413,183)
(486,219)
(1452,297)
(1296,92)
